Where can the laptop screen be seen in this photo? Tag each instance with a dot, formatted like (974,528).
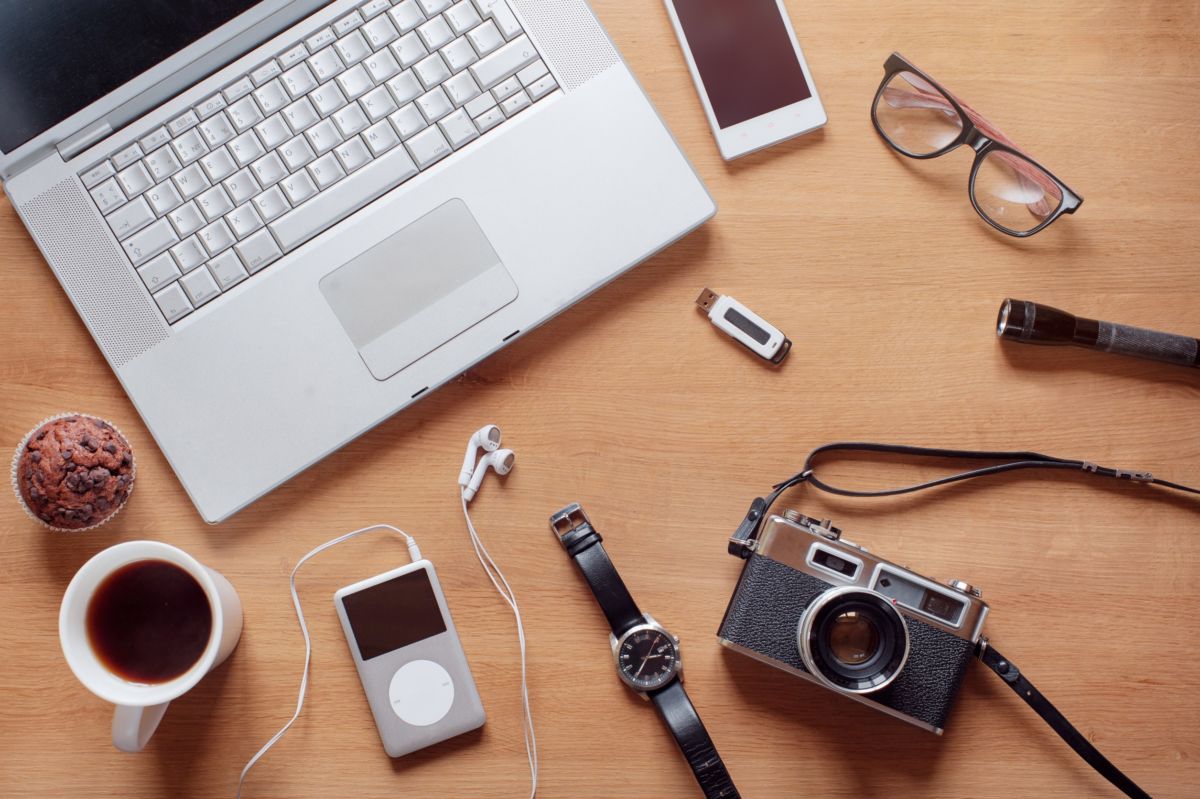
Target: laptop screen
(59,56)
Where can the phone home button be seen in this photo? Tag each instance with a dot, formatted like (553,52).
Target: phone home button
(421,693)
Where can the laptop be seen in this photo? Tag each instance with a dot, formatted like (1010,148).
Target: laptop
(284,221)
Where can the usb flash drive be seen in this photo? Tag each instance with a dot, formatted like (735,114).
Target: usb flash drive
(744,326)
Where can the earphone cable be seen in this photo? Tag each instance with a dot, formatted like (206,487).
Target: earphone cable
(413,552)
(502,587)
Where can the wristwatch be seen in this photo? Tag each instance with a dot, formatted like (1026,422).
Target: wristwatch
(646,654)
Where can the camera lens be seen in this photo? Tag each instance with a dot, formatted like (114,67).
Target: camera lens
(853,640)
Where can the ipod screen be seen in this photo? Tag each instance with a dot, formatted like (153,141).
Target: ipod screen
(394,614)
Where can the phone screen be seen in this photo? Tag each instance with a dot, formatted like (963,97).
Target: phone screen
(745,56)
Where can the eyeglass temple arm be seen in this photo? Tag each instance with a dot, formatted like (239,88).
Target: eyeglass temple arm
(916,97)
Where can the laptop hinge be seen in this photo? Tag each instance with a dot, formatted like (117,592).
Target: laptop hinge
(73,146)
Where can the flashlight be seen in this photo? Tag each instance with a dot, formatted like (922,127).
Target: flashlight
(1034,323)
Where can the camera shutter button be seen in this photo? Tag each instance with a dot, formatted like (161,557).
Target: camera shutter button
(965,587)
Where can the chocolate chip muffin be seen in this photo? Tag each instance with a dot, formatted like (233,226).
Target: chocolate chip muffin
(74,472)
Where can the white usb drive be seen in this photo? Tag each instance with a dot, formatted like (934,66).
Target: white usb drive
(744,326)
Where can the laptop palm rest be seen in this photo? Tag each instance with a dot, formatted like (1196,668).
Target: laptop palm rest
(418,288)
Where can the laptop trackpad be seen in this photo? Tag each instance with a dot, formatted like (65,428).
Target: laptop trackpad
(419,288)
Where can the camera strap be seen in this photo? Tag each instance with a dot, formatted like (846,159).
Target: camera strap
(1057,721)
(744,540)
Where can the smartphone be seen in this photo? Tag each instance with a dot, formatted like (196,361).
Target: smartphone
(749,71)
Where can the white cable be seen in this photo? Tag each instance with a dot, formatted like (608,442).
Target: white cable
(413,552)
(497,577)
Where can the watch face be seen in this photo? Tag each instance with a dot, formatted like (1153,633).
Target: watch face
(648,659)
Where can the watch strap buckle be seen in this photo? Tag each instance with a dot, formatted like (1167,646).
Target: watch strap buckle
(574,529)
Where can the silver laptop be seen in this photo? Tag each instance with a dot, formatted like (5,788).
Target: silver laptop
(282,222)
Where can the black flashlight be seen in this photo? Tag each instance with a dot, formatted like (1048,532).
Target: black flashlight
(1034,323)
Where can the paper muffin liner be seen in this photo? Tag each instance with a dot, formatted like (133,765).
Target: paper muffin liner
(17,487)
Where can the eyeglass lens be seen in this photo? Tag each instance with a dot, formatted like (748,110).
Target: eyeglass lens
(915,117)
(1014,193)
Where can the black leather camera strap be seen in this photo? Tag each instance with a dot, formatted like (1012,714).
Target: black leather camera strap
(1057,721)
(742,543)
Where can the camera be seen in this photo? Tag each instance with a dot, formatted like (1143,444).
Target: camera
(815,605)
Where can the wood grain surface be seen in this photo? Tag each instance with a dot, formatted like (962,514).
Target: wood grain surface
(632,404)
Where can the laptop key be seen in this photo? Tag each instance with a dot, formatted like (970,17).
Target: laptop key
(408,121)
(326,171)
(326,64)
(296,153)
(350,120)
(244,114)
(435,33)
(162,163)
(217,130)
(218,164)
(189,254)
(407,15)
(244,220)
(327,98)
(344,198)
(217,237)
(184,122)
(301,115)
(431,7)
(432,71)
(462,16)
(143,246)
(299,80)
(127,156)
(380,31)
(154,140)
(353,154)
(409,50)
(131,218)
(227,269)
(485,38)
(405,87)
(273,131)
(489,119)
(211,106)
(355,82)
(164,198)
(189,147)
(378,103)
(135,180)
(272,97)
(294,56)
(187,219)
(108,196)
(515,104)
(320,39)
(459,54)
(97,173)
(480,104)
(459,129)
(200,286)
(381,137)
(214,203)
(266,72)
(271,204)
(509,59)
(374,8)
(532,72)
(382,65)
(269,170)
(159,272)
(298,188)
(542,86)
(435,104)
(461,89)
(173,303)
(241,186)
(353,48)
(239,88)
(428,147)
(499,11)
(246,148)
(258,251)
(506,88)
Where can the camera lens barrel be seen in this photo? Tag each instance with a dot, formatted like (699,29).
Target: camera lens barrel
(853,640)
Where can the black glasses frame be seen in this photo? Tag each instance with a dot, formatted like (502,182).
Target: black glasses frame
(982,143)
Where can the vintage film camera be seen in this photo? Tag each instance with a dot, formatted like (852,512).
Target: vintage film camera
(825,609)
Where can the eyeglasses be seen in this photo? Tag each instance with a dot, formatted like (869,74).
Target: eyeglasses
(921,119)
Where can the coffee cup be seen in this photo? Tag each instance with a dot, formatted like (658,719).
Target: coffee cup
(141,624)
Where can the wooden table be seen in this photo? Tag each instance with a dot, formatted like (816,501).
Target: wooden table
(634,405)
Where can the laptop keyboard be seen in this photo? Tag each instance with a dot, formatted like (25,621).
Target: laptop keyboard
(348,113)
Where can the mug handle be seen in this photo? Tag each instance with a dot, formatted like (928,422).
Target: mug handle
(133,726)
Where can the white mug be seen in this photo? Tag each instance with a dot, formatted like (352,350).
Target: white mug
(140,706)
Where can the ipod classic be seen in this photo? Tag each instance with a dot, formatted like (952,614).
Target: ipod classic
(409,658)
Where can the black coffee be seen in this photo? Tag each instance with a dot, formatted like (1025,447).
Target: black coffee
(149,621)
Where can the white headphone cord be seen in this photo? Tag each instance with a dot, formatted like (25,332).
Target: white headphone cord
(497,577)
(413,552)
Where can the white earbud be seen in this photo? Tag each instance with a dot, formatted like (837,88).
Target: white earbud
(501,460)
(487,437)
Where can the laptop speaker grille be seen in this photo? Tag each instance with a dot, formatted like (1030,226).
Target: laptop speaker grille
(94,271)
(571,37)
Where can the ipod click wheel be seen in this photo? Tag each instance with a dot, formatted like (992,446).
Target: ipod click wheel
(409,658)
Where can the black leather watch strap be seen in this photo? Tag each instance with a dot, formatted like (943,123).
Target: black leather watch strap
(1058,722)
(697,747)
(583,544)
